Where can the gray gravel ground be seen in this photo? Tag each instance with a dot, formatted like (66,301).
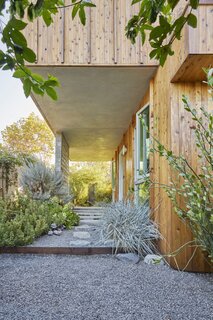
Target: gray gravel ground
(56,287)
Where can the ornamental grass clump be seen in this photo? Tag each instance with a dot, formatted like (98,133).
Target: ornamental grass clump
(41,181)
(130,227)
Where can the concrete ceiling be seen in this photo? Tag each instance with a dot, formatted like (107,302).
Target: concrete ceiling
(95,106)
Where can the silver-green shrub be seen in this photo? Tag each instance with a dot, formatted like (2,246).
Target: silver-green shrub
(41,181)
(130,227)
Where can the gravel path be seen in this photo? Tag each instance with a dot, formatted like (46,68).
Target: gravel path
(55,287)
(67,239)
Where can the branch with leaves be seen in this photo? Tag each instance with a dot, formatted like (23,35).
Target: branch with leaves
(156,18)
(17,52)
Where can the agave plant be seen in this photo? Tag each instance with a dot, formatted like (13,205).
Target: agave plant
(41,181)
(130,227)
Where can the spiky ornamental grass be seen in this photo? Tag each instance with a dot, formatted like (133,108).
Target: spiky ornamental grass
(41,181)
(130,227)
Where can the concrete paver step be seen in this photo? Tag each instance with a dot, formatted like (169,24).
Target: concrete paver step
(89,213)
(81,234)
(89,218)
(88,208)
(89,222)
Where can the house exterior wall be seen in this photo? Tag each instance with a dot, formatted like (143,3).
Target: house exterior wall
(101,42)
(170,124)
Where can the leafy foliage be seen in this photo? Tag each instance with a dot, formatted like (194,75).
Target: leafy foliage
(155,18)
(130,227)
(17,52)
(83,175)
(41,181)
(23,219)
(29,137)
(194,188)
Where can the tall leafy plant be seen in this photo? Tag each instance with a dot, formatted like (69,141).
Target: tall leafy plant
(194,187)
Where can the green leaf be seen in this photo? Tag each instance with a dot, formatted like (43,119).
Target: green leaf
(51,93)
(153,53)
(156,32)
(37,77)
(38,5)
(37,89)
(19,8)
(18,38)
(29,55)
(27,87)
(75,10)
(2,5)
(30,12)
(194,4)
(135,1)
(163,57)
(19,74)
(192,20)
(90,4)
(47,17)
(51,83)
(17,24)
(173,3)
(82,15)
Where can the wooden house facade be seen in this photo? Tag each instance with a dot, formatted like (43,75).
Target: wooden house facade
(107,84)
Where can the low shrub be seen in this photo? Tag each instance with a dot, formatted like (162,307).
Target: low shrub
(130,227)
(23,219)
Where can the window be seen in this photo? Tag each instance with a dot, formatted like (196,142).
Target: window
(113,167)
(142,143)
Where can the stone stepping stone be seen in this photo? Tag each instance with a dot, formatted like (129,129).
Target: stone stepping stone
(79,243)
(128,257)
(81,234)
(90,222)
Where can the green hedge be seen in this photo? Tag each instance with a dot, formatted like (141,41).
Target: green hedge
(22,219)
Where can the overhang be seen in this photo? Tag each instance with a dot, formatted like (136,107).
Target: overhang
(95,106)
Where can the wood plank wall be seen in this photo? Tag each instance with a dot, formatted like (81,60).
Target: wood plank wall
(171,125)
(101,42)
(201,38)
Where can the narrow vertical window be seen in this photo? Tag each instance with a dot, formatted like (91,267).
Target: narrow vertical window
(142,153)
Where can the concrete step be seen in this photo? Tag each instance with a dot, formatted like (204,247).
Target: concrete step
(88,208)
(89,222)
(89,218)
(89,213)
